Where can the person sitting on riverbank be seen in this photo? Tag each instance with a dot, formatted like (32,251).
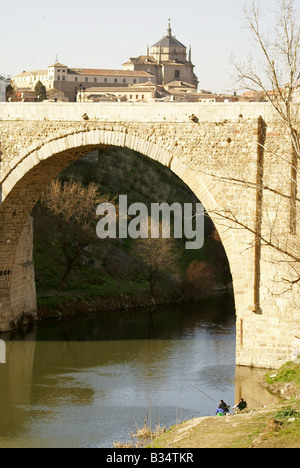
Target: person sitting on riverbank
(222,408)
(241,405)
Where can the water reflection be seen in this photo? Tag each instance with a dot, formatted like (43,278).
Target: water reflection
(90,381)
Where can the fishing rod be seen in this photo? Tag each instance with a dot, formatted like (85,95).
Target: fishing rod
(203,393)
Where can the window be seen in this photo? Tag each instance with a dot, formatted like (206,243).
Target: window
(136,96)
(105,80)
(134,81)
(177,73)
(86,79)
(116,80)
(64,78)
(124,80)
(130,96)
(76,78)
(58,78)
(95,80)
(58,71)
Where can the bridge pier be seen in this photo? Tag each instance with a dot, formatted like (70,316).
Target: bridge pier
(17,281)
(266,341)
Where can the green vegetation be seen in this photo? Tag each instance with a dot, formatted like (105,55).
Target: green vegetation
(108,268)
(287,413)
(40,91)
(289,373)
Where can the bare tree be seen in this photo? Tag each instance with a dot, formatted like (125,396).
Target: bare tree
(277,75)
(74,207)
(199,278)
(159,257)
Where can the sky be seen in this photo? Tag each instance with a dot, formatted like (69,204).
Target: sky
(103,34)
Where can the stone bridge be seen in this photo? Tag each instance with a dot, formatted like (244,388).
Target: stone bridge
(234,157)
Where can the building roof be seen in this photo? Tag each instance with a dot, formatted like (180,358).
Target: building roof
(169,40)
(180,84)
(97,72)
(148,83)
(57,64)
(25,90)
(91,71)
(142,60)
(120,89)
(33,72)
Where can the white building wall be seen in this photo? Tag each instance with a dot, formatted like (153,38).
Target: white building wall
(2,91)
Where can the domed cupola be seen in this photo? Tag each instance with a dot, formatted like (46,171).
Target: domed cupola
(169,49)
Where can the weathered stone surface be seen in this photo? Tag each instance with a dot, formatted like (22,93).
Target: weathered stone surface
(217,157)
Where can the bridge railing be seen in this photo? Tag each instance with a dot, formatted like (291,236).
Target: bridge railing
(136,112)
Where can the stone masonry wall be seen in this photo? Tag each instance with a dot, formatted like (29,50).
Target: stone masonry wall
(218,160)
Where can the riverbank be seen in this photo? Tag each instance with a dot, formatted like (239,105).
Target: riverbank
(74,303)
(71,303)
(276,426)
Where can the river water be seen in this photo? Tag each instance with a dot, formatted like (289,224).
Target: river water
(89,382)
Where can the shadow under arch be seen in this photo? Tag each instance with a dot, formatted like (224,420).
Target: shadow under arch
(39,164)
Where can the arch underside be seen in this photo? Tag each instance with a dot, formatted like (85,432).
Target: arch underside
(35,169)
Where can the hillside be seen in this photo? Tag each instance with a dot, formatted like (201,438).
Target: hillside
(109,268)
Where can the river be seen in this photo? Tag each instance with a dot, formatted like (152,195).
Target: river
(92,381)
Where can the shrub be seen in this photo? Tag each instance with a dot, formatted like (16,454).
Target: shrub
(287,413)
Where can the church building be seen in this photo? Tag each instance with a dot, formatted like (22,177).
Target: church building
(168,60)
(166,70)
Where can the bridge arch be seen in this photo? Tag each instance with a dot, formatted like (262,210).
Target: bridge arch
(33,171)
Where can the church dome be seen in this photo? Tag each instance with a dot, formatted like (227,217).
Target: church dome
(169,41)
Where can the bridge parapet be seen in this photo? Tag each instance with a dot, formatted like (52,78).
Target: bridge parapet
(136,112)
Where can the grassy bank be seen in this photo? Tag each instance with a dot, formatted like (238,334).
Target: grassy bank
(277,426)
(107,298)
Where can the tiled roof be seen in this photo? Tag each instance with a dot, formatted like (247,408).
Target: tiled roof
(97,72)
(169,41)
(91,72)
(57,64)
(179,84)
(142,59)
(33,72)
(120,89)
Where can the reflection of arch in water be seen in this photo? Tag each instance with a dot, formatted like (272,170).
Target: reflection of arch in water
(2,352)
(15,384)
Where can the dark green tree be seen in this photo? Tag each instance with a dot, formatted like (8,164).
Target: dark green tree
(10,93)
(40,91)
